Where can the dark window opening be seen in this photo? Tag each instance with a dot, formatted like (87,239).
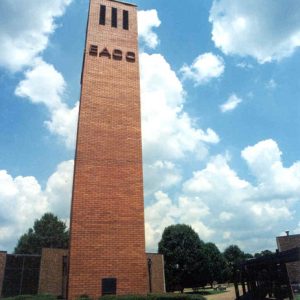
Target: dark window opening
(109,286)
(114,17)
(102,14)
(125,20)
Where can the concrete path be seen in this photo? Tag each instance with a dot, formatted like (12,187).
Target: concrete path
(228,295)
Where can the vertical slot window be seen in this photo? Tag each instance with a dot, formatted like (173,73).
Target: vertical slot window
(125,20)
(114,17)
(102,14)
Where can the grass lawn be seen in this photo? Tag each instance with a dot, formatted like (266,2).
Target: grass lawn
(298,297)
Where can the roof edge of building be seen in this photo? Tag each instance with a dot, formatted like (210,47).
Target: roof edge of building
(122,2)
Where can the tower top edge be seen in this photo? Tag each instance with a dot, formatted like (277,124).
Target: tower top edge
(123,2)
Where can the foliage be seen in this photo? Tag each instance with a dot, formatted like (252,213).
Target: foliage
(48,232)
(234,256)
(263,253)
(184,255)
(216,264)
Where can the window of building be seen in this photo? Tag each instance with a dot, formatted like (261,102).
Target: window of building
(114,17)
(125,20)
(102,14)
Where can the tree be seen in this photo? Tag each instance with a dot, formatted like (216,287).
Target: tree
(185,261)
(263,253)
(48,232)
(216,264)
(234,256)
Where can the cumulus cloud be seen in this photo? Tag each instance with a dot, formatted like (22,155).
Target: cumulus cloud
(164,212)
(231,104)
(22,200)
(147,21)
(256,28)
(168,132)
(24,39)
(43,84)
(233,210)
(160,175)
(204,68)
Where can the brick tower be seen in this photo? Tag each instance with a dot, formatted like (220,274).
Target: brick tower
(107,250)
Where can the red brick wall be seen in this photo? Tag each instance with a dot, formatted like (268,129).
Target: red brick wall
(51,272)
(107,215)
(285,243)
(2,269)
(157,273)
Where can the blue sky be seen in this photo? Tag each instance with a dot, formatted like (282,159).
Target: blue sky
(220,113)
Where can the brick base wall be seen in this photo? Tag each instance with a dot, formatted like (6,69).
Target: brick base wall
(2,269)
(51,272)
(157,273)
(285,243)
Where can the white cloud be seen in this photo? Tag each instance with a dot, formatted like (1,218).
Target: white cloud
(168,132)
(204,68)
(226,209)
(160,175)
(256,28)
(147,20)
(22,200)
(64,124)
(25,29)
(164,212)
(274,180)
(43,84)
(231,104)
(59,189)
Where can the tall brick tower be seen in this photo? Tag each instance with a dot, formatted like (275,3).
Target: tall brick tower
(107,250)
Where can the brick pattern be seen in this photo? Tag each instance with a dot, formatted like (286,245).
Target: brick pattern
(107,214)
(2,269)
(285,243)
(51,279)
(157,273)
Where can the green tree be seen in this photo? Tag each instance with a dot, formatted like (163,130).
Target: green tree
(216,264)
(263,253)
(234,256)
(48,232)
(185,261)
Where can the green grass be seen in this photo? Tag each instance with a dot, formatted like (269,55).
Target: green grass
(298,297)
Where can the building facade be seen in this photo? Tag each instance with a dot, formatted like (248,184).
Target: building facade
(22,274)
(286,243)
(107,213)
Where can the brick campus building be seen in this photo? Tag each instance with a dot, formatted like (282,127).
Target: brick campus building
(107,213)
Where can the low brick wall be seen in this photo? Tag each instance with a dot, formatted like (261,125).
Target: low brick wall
(2,268)
(157,273)
(52,280)
(289,242)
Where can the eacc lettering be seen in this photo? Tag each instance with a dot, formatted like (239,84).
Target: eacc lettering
(116,54)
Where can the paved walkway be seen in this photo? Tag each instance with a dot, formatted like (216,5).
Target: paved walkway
(228,295)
